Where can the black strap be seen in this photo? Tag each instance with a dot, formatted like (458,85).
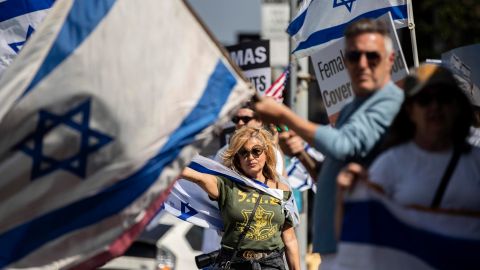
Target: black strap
(245,229)
(446,178)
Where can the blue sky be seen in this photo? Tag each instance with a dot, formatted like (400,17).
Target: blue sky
(225,18)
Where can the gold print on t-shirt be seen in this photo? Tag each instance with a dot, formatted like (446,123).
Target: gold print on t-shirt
(252,198)
(261,227)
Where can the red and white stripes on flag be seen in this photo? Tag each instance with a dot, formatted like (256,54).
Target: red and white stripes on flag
(277,87)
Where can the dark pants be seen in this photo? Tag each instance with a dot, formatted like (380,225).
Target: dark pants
(273,261)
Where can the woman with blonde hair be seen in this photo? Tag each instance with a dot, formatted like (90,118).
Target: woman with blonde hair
(257,228)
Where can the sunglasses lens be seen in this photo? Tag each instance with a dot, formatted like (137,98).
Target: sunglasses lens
(441,97)
(424,99)
(243,153)
(372,56)
(257,151)
(353,56)
(244,119)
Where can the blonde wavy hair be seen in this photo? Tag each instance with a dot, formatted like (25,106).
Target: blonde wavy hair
(240,138)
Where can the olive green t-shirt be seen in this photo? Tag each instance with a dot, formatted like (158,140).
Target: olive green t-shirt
(236,203)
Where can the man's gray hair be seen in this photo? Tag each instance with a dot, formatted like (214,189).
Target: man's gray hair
(370,26)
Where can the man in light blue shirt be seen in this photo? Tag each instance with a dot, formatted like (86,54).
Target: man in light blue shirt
(360,126)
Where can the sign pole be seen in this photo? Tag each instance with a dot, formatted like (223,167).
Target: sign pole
(413,37)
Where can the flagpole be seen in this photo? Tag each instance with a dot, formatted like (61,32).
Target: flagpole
(298,102)
(413,37)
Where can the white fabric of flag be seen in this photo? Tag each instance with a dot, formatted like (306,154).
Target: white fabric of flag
(99,112)
(189,202)
(380,234)
(18,20)
(298,176)
(319,22)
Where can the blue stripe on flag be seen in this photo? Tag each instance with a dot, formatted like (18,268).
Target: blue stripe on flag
(200,168)
(371,223)
(297,23)
(82,19)
(21,240)
(14,8)
(327,34)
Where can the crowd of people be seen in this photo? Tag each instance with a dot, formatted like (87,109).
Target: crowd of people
(409,141)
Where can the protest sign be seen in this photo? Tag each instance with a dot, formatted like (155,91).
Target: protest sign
(464,63)
(332,76)
(254,59)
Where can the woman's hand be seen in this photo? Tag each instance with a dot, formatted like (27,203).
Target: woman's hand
(290,143)
(350,174)
(207,182)
(270,111)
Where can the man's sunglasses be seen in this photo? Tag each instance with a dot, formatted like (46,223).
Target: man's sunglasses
(245,119)
(256,151)
(354,56)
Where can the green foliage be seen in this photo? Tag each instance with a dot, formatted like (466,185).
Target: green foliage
(442,25)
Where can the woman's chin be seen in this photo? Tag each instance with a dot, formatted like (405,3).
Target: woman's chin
(251,173)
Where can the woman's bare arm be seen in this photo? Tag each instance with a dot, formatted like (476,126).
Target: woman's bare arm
(291,248)
(207,182)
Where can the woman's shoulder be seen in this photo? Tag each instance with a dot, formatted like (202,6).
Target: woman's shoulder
(224,180)
(283,186)
(405,148)
(389,159)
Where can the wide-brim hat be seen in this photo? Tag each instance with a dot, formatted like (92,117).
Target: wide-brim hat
(427,75)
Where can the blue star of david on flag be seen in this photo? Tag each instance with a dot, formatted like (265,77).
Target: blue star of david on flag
(76,122)
(17,46)
(347,3)
(187,211)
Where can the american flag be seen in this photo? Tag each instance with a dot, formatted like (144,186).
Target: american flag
(277,87)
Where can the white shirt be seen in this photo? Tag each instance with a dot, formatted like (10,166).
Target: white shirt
(411,175)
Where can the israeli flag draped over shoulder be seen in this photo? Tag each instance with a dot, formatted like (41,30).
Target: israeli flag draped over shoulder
(189,202)
(319,22)
(101,109)
(18,21)
(380,234)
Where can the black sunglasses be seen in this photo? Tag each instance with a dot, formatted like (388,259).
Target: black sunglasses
(354,56)
(441,97)
(256,151)
(245,119)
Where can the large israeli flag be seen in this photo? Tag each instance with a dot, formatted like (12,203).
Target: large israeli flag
(103,107)
(18,20)
(380,234)
(319,22)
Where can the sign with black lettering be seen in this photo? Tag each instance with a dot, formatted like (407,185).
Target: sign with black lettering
(254,59)
(332,76)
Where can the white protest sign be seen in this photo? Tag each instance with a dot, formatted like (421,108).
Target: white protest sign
(332,76)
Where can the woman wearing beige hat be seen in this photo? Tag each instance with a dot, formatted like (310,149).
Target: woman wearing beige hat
(428,161)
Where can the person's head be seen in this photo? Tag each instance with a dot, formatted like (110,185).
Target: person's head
(245,116)
(435,108)
(251,152)
(369,55)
